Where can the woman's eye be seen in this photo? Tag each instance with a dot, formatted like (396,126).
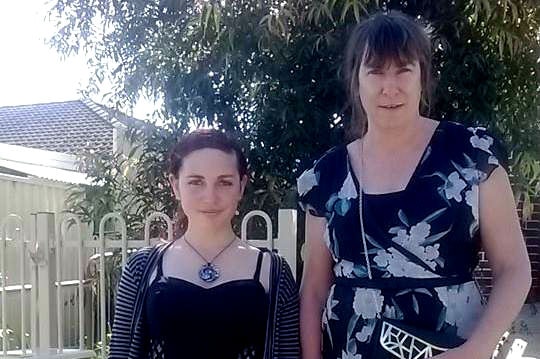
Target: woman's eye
(375,72)
(195,183)
(226,183)
(403,70)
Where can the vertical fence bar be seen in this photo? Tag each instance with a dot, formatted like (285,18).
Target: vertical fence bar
(68,217)
(269,242)
(45,223)
(59,311)
(286,243)
(3,269)
(103,303)
(19,229)
(23,278)
(33,290)
(152,217)
(80,252)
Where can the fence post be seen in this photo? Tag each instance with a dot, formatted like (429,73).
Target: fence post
(286,243)
(45,232)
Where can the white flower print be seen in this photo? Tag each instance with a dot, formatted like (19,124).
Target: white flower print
(348,190)
(453,187)
(484,142)
(474,129)
(463,306)
(347,355)
(366,332)
(307,181)
(492,160)
(419,232)
(383,258)
(470,174)
(413,242)
(367,302)
(418,240)
(344,268)
(391,312)
(400,266)
(330,305)
(471,197)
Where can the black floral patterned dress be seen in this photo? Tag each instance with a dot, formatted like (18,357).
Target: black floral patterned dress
(424,234)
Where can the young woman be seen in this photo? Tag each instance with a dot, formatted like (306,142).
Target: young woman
(395,218)
(207,294)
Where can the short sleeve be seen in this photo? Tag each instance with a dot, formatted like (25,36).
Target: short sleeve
(487,151)
(315,184)
(309,192)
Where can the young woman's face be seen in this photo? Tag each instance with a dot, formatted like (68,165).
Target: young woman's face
(209,186)
(390,94)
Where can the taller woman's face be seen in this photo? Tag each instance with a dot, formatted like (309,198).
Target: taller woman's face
(209,186)
(390,94)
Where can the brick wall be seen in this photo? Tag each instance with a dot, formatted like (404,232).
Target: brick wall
(531,232)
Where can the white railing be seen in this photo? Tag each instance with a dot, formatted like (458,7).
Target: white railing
(45,242)
(19,238)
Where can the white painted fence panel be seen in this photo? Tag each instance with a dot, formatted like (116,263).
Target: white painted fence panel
(46,240)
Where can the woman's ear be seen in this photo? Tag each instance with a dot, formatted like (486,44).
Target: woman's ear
(174,184)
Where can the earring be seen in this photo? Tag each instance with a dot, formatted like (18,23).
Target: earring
(237,213)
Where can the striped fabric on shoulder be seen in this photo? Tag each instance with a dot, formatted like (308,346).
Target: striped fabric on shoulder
(287,326)
(124,343)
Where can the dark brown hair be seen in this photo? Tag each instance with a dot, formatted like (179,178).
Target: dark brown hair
(205,138)
(377,40)
(198,140)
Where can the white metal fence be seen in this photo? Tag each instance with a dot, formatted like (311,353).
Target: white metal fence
(43,327)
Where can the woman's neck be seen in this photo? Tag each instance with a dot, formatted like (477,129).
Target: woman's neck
(389,140)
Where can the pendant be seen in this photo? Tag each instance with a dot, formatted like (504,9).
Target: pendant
(209,273)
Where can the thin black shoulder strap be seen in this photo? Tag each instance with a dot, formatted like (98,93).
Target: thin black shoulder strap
(159,271)
(257,274)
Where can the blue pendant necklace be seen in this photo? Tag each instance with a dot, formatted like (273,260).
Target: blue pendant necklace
(209,272)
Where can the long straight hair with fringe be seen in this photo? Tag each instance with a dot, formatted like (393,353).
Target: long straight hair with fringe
(376,41)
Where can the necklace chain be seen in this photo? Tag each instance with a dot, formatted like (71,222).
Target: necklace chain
(361,207)
(203,257)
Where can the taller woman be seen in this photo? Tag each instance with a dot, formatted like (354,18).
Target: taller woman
(207,294)
(395,219)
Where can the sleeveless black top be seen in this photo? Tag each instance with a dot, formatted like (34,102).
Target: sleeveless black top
(226,321)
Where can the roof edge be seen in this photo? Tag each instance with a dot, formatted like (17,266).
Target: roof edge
(38,157)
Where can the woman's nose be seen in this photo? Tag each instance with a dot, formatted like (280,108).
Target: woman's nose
(390,86)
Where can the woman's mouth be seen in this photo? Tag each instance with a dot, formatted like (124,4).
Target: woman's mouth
(210,212)
(392,106)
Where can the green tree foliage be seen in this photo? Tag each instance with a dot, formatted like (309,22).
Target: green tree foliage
(269,71)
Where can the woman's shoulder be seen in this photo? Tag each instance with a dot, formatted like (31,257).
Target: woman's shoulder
(327,173)
(281,270)
(473,147)
(471,136)
(333,157)
(139,259)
